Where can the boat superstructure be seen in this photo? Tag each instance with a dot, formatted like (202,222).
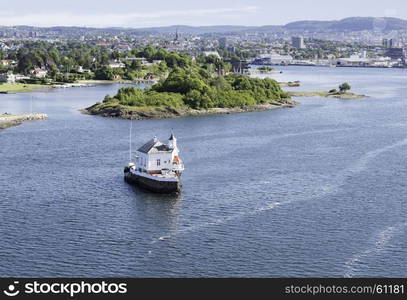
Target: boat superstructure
(157,166)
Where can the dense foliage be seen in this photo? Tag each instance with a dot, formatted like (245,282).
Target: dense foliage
(196,88)
(63,61)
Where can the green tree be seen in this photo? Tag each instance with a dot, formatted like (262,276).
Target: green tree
(104,73)
(135,65)
(344,87)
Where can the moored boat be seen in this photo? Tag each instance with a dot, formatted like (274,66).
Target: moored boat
(157,167)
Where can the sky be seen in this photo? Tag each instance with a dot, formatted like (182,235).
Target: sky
(136,14)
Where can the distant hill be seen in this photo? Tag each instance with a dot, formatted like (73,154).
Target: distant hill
(309,25)
(344,25)
(198,29)
(350,24)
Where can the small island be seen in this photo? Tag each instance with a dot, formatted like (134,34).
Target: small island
(263,70)
(342,93)
(290,84)
(194,88)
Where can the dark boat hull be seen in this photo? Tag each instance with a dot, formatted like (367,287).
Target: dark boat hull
(156,186)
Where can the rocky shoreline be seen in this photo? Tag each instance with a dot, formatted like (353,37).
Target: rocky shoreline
(142,113)
(7,121)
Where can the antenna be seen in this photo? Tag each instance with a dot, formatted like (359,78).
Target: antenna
(131,129)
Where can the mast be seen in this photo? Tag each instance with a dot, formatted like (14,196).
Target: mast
(131,129)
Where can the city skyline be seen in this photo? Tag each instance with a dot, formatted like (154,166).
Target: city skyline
(137,14)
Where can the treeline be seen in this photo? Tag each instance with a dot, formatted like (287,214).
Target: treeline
(64,57)
(63,60)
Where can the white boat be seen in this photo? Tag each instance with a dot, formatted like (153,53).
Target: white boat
(157,167)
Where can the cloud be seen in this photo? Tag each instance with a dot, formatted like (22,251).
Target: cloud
(188,17)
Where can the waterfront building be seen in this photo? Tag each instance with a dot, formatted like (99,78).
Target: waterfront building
(361,60)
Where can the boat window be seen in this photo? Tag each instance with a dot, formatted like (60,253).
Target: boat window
(158,162)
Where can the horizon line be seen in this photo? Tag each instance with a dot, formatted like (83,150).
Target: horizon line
(186,25)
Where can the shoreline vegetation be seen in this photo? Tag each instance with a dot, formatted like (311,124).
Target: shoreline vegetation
(7,121)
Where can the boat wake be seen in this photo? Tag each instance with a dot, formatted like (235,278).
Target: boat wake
(380,242)
(219,221)
(362,163)
(325,190)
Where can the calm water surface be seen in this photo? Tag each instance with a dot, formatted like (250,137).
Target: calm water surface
(317,190)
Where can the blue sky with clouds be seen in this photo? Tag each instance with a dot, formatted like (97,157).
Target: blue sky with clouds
(134,13)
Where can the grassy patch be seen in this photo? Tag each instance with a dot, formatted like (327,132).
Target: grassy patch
(338,95)
(20,87)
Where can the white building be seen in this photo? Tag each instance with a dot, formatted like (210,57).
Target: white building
(116,65)
(39,73)
(155,156)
